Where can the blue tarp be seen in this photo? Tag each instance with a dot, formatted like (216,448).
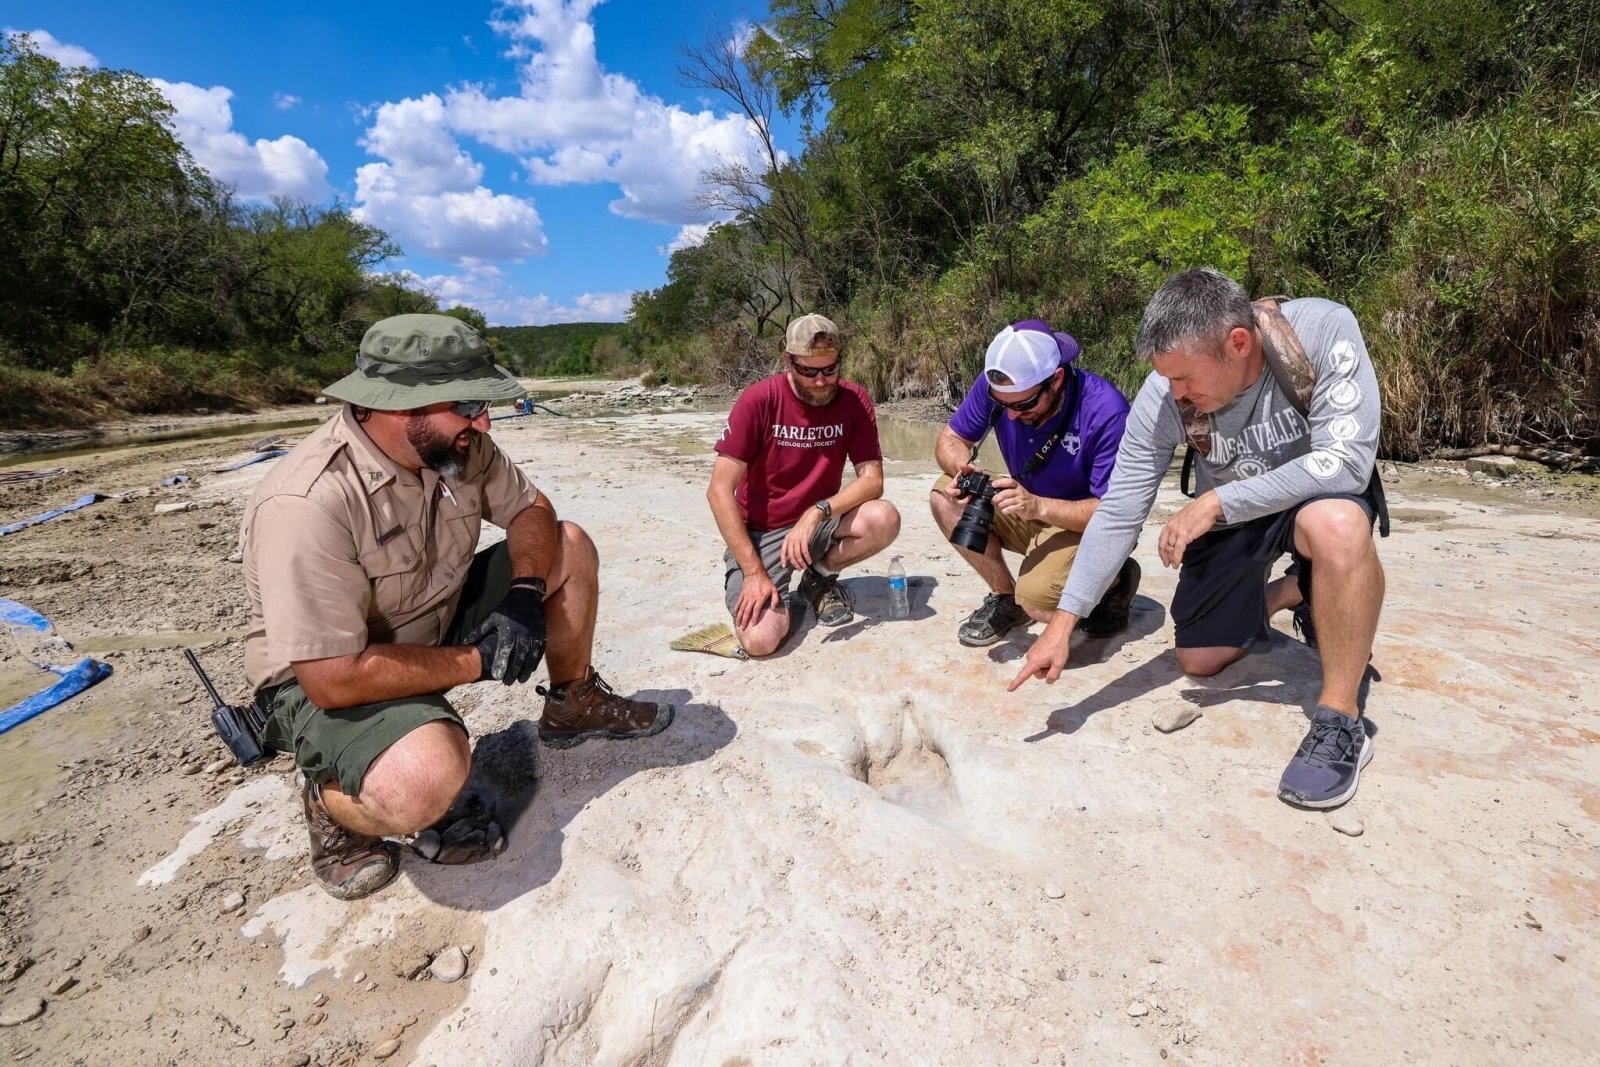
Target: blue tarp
(82,502)
(32,632)
(74,680)
(274,454)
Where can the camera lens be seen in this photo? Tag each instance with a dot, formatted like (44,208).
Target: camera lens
(972,529)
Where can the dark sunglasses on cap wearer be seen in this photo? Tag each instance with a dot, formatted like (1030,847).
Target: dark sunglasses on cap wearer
(831,370)
(1026,403)
(469,409)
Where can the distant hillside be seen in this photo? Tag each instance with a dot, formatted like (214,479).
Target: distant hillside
(565,348)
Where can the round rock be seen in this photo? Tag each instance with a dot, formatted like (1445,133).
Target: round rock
(449,965)
(1138,1009)
(1347,823)
(21,1010)
(232,902)
(1174,717)
(426,844)
(385,1050)
(1053,891)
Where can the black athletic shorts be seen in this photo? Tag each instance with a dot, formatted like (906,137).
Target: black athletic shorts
(1222,583)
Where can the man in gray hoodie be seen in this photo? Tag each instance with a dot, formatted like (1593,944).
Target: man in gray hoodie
(1271,481)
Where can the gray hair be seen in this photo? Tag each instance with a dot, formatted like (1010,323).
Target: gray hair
(1198,306)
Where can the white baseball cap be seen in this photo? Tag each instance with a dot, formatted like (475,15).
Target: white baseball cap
(1026,353)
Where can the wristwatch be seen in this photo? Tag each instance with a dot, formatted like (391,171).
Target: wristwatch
(826,509)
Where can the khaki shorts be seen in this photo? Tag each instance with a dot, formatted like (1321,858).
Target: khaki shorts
(342,744)
(1047,554)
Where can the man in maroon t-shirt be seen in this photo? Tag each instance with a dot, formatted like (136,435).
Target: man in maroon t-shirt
(775,489)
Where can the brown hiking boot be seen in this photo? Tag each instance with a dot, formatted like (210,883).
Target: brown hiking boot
(577,711)
(349,865)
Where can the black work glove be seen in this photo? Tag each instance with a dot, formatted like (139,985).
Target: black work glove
(511,640)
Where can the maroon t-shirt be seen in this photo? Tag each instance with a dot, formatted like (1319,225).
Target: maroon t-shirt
(795,452)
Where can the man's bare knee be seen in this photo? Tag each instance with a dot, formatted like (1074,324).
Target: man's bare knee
(1205,662)
(761,641)
(878,522)
(575,555)
(412,782)
(1334,534)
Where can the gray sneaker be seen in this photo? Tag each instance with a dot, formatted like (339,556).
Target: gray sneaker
(1327,766)
(998,613)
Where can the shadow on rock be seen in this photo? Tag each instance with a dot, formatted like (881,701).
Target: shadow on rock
(534,792)
(1160,670)
(1145,618)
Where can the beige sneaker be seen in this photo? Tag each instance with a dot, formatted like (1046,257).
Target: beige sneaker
(577,711)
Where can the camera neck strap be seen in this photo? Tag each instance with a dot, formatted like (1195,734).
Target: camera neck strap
(1065,420)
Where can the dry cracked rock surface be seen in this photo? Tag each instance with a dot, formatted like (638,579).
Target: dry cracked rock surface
(860,850)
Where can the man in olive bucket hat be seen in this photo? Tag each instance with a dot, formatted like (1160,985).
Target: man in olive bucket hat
(367,601)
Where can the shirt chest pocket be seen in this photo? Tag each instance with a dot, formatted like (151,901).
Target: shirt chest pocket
(401,579)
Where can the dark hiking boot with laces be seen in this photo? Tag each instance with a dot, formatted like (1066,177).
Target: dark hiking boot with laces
(1110,616)
(577,711)
(1327,766)
(826,597)
(349,865)
(998,614)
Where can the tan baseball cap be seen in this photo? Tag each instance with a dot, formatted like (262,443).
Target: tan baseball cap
(803,332)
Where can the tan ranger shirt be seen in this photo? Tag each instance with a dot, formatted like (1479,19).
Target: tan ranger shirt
(343,548)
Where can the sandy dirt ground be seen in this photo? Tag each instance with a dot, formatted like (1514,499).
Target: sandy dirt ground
(859,851)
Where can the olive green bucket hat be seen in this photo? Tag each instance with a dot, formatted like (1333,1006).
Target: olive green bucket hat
(411,361)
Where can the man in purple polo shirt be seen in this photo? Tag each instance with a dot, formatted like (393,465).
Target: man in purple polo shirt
(1058,427)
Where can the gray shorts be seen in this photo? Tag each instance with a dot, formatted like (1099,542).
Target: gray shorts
(769,546)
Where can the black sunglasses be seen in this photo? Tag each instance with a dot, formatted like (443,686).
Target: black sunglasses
(815,372)
(1025,404)
(469,409)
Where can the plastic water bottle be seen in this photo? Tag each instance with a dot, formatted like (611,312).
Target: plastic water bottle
(899,601)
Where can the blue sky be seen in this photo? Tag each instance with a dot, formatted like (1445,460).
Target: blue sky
(534,159)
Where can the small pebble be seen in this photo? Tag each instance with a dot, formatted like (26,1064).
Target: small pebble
(358,978)
(192,768)
(295,1059)
(218,766)
(140,934)
(1053,891)
(62,984)
(426,844)
(1347,823)
(315,1018)
(21,1010)
(385,1050)
(371,987)
(233,902)
(1174,717)
(319,1000)
(1138,1009)
(449,965)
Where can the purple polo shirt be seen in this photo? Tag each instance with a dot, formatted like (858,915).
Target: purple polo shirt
(1080,466)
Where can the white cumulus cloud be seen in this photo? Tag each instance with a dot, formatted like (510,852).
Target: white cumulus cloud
(570,122)
(258,170)
(428,192)
(46,44)
(485,287)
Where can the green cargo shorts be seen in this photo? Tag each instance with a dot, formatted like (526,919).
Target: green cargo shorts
(342,744)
